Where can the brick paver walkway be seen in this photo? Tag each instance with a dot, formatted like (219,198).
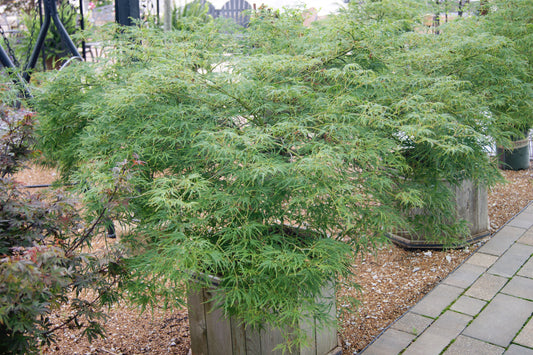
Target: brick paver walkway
(484,307)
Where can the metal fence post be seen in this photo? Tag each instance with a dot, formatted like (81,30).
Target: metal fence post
(126,11)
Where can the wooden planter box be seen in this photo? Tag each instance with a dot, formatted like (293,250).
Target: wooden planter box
(471,204)
(214,334)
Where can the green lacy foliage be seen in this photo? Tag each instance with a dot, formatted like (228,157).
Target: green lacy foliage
(512,20)
(41,266)
(491,65)
(240,139)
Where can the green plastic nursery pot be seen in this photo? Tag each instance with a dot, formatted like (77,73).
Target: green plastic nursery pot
(516,158)
(212,333)
(471,203)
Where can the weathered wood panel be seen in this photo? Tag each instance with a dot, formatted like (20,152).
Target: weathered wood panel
(270,338)
(197,324)
(309,327)
(238,337)
(326,338)
(253,341)
(218,329)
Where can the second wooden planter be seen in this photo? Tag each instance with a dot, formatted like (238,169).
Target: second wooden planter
(471,205)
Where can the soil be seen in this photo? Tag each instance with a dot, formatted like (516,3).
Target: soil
(391,279)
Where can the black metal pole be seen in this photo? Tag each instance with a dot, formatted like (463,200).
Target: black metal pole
(51,4)
(82,26)
(43,57)
(158,18)
(38,46)
(12,69)
(5,60)
(436,19)
(126,10)
(50,13)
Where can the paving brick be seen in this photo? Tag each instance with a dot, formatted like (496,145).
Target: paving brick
(529,208)
(527,269)
(499,322)
(464,275)
(512,260)
(486,287)
(412,323)
(391,341)
(519,287)
(439,334)
(502,240)
(482,259)
(468,305)
(525,337)
(470,346)
(527,237)
(437,300)
(518,350)
(523,220)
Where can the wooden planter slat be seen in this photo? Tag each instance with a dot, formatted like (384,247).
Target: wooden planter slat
(197,323)
(238,337)
(325,340)
(252,342)
(218,327)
